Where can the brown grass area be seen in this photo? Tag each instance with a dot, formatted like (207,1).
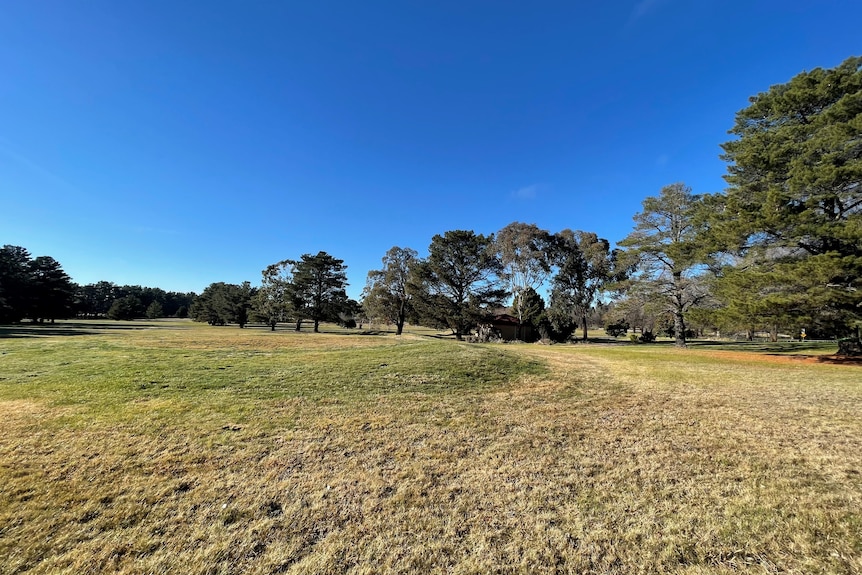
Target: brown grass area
(783,358)
(615,462)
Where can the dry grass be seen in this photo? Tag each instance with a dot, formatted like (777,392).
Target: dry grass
(348,454)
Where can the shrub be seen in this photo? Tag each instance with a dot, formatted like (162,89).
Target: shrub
(617,329)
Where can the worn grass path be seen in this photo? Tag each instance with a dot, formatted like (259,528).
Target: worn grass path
(207,450)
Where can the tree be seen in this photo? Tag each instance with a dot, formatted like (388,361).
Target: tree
(669,251)
(525,252)
(586,265)
(273,302)
(794,199)
(125,308)
(386,293)
(154,310)
(318,284)
(222,303)
(52,290)
(16,297)
(458,283)
(94,300)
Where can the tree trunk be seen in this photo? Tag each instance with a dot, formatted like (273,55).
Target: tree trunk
(316,325)
(298,324)
(399,326)
(678,316)
(679,329)
(272,326)
(584,319)
(773,334)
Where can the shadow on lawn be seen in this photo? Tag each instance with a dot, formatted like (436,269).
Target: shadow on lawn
(66,329)
(765,346)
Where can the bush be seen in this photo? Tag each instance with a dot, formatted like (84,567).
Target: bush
(645,337)
(617,329)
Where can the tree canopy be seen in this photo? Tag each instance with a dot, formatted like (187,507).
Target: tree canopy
(459,283)
(666,243)
(318,284)
(794,201)
(386,293)
(526,255)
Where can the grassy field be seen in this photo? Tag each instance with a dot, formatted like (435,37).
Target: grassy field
(171,447)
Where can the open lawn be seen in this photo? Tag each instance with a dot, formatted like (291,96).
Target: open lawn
(171,447)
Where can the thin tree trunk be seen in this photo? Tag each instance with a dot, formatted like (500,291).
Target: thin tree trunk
(316,325)
(298,324)
(584,319)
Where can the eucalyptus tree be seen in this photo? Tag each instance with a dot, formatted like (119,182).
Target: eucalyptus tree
(386,291)
(585,266)
(274,301)
(525,252)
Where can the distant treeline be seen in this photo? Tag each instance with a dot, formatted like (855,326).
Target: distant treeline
(39,290)
(779,251)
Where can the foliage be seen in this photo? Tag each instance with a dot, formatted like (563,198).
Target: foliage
(222,303)
(586,265)
(386,295)
(526,254)
(458,284)
(94,300)
(125,308)
(35,288)
(667,244)
(616,328)
(532,306)
(794,202)
(276,300)
(318,286)
(154,310)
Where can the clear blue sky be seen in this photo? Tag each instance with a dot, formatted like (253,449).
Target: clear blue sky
(174,144)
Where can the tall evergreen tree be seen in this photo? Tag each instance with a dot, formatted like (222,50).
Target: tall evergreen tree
(16,297)
(318,284)
(459,283)
(794,201)
(52,290)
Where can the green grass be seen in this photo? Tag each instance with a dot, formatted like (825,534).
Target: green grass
(185,448)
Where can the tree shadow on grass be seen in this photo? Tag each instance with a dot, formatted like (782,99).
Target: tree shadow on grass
(66,329)
(765,346)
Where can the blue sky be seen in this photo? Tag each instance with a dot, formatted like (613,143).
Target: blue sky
(174,144)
